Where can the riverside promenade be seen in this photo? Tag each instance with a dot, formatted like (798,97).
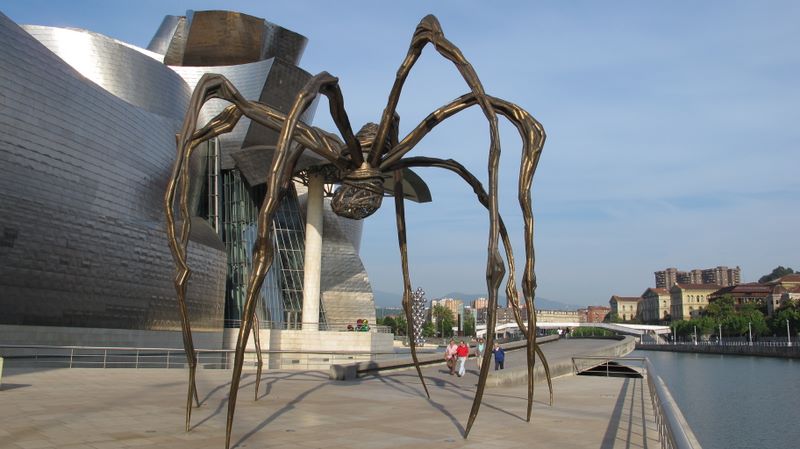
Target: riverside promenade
(126,408)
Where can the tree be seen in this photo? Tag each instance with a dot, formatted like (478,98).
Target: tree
(777,272)
(469,323)
(390,323)
(444,320)
(401,325)
(428,330)
(612,317)
(755,317)
(720,309)
(789,311)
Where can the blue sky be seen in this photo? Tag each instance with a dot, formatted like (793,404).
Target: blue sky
(672,128)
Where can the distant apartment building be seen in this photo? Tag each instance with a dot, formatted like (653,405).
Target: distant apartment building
(504,315)
(688,300)
(456,306)
(625,307)
(655,305)
(479,307)
(594,314)
(480,303)
(720,275)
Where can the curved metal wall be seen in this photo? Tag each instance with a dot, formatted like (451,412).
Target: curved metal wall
(82,175)
(249,80)
(346,291)
(124,72)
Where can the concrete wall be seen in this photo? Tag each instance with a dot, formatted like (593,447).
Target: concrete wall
(88,336)
(563,366)
(330,347)
(761,351)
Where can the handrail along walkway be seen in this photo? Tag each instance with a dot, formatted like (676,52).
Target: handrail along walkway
(674,431)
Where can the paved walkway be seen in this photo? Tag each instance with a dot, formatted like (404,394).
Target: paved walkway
(123,408)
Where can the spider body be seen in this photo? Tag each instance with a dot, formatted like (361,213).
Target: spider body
(361,191)
(362,163)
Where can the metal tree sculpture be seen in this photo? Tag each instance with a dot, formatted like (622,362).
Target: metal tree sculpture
(418,312)
(361,163)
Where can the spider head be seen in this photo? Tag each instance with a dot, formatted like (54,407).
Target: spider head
(360,194)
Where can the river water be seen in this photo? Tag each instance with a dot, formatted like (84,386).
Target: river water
(734,402)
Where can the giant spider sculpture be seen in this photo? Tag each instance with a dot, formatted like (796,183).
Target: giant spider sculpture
(360,163)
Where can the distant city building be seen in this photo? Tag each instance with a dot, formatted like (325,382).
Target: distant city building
(557,316)
(687,300)
(597,314)
(625,307)
(720,275)
(751,293)
(479,307)
(784,289)
(655,305)
(505,315)
(454,305)
(480,303)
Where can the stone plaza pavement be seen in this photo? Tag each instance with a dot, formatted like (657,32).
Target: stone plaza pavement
(127,408)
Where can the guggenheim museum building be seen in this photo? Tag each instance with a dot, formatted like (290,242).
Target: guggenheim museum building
(87,143)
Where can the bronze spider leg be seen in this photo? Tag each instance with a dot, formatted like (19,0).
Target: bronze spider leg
(429,31)
(179,243)
(400,214)
(511,291)
(259,357)
(533,136)
(216,86)
(281,170)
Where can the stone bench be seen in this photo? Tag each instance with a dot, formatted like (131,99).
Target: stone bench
(350,371)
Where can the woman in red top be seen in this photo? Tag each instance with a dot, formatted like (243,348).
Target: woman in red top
(462,352)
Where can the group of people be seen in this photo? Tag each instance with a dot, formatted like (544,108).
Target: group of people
(361,326)
(456,356)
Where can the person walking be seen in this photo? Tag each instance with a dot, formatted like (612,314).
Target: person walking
(499,356)
(480,347)
(450,356)
(462,352)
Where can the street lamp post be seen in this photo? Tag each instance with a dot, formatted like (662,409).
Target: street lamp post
(695,335)
(750,331)
(788,336)
(720,333)
(674,335)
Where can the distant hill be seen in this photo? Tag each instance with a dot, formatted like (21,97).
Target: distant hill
(389,299)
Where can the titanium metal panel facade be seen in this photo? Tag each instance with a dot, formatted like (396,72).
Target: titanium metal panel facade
(116,67)
(82,174)
(87,142)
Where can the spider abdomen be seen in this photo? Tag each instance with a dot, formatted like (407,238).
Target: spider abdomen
(357,198)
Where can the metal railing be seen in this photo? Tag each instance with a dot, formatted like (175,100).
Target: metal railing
(727,341)
(131,357)
(674,431)
(336,326)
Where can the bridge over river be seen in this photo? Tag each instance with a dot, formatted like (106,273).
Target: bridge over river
(625,329)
